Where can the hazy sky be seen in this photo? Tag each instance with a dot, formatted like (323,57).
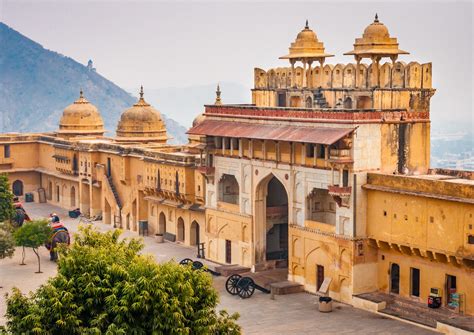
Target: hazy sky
(163,44)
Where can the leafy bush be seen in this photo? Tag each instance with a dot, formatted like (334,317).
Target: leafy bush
(6,199)
(33,235)
(105,286)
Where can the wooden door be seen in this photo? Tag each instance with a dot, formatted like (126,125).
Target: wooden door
(228,251)
(319,276)
(395,278)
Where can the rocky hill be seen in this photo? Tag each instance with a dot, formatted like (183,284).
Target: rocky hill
(36,84)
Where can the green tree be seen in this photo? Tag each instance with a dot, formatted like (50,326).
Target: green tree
(6,199)
(104,286)
(33,235)
(7,244)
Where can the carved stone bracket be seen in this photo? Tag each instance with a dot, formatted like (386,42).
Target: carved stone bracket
(341,195)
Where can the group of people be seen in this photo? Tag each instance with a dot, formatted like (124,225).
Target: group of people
(60,233)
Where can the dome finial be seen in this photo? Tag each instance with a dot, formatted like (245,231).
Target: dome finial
(141,92)
(307,25)
(376,18)
(218,96)
(81,94)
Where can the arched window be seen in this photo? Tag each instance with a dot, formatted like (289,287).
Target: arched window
(50,191)
(348,103)
(309,102)
(17,188)
(177,183)
(180,230)
(195,238)
(73,196)
(162,223)
(229,189)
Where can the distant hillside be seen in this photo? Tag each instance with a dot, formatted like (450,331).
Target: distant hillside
(37,84)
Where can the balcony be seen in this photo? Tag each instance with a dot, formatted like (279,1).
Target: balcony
(340,194)
(207,171)
(340,156)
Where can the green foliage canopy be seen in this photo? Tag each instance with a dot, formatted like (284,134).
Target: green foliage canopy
(7,244)
(33,234)
(6,199)
(104,286)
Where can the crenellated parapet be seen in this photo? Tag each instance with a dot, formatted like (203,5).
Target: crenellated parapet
(346,76)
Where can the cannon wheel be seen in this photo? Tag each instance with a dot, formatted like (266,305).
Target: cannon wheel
(231,284)
(197,265)
(246,287)
(186,261)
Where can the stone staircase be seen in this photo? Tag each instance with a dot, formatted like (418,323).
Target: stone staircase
(319,99)
(418,312)
(114,191)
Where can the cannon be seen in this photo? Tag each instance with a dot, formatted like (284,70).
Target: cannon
(244,287)
(197,265)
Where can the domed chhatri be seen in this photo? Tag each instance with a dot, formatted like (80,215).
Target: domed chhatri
(81,119)
(376,42)
(306,49)
(306,46)
(141,123)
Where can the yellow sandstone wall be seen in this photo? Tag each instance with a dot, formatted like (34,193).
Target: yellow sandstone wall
(224,225)
(432,274)
(308,249)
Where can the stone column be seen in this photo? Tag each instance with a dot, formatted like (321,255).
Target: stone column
(356,77)
(304,74)
(293,81)
(375,71)
(309,77)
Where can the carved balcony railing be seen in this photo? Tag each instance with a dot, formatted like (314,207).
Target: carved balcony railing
(340,155)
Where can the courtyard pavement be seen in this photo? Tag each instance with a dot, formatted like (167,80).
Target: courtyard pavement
(287,314)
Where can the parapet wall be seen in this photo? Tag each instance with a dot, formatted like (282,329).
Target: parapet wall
(398,75)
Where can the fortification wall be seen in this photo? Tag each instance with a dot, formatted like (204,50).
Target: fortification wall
(398,75)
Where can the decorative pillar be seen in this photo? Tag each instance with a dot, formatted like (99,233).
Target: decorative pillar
(304,74)
(292,149)
(375,71)
(264,150)
(277,151)
(293,77)
(241,149)
(356,77)
(309,77)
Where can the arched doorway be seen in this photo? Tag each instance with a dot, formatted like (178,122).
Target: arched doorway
(395,278)
(58,197)
(50,191)
(64,194)
(162,223)
(195,238)
(17,188)
(107,212)
(180,230)
(271,215)
(73,196)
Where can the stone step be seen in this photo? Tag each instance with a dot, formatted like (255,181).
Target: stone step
(410,316)
(228,270)
(418,308)
(286,287)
